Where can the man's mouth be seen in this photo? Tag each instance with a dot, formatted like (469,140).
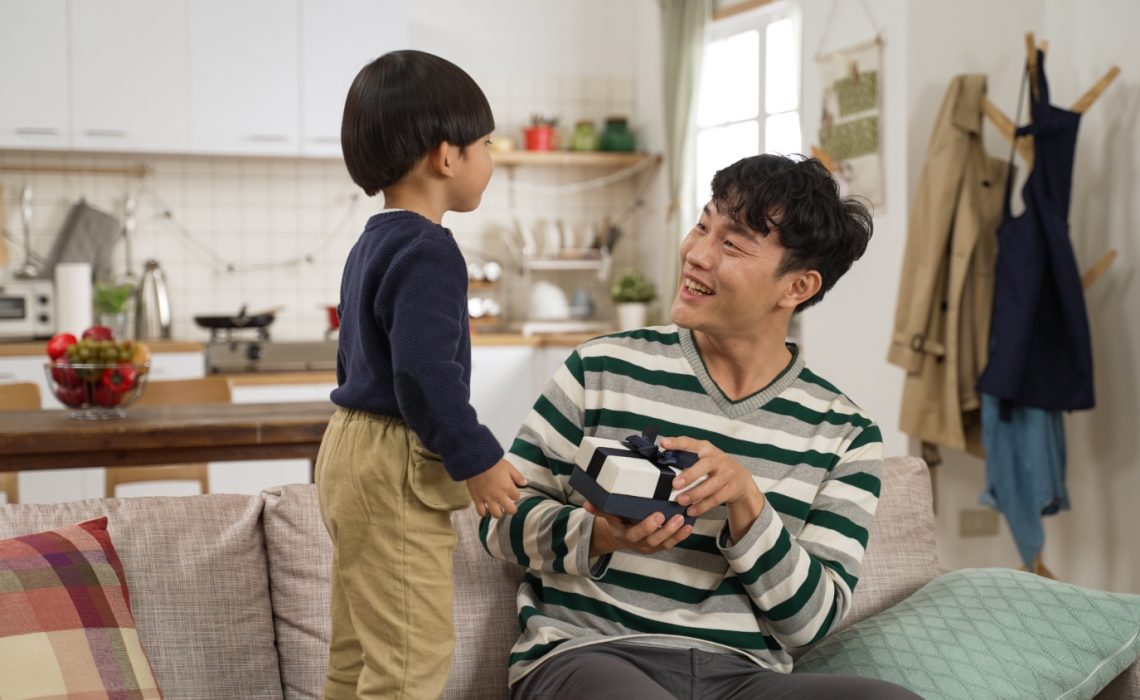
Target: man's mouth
(696,287)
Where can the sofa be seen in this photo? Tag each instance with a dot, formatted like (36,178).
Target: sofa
(230,593)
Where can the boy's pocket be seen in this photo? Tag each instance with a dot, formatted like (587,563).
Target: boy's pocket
(431,482)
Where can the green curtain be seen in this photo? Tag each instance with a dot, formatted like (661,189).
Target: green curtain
(683,25)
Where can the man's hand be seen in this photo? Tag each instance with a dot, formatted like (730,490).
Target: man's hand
(728,483)
(651,535)
(496,490)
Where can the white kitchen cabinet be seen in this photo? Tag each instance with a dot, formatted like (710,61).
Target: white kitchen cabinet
(502,387)
(338,38)
(34,74)
(129,75)
(244,77)
(251,476)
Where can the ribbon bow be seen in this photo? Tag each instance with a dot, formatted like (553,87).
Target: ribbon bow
(665,460)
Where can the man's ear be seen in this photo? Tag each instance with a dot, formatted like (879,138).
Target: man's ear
(805,284)
(442,159)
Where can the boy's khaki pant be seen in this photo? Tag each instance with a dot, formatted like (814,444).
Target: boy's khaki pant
(386,502)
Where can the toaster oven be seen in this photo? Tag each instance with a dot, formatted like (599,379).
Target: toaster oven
(27,310)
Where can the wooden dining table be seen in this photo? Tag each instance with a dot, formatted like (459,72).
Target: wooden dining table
(153,435)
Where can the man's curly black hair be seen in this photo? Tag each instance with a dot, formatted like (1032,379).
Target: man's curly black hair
(798,200)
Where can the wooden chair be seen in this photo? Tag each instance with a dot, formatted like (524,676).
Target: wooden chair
(164,393)
(20,396)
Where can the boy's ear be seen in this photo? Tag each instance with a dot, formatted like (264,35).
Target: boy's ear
(805,284)
(442,159)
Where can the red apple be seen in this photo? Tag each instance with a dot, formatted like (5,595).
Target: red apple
(98,333)
(59,344)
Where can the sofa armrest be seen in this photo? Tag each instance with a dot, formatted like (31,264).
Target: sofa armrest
(1126,686)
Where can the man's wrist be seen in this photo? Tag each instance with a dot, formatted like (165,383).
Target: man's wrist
(743,512)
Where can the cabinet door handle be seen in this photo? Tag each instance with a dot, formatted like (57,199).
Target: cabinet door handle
(106,133)
(37,131)
(268,138)
(325,139)
(7,375)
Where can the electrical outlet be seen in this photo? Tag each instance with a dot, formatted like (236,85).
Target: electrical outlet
(977,522)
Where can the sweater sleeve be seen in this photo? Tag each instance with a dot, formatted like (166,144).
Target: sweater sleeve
(423,306)
(802,586)
(548,533)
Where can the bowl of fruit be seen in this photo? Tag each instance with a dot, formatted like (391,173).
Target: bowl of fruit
(96,375)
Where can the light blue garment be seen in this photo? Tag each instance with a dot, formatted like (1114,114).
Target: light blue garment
(1025,469)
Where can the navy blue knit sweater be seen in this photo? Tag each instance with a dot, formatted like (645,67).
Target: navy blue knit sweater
(405,342)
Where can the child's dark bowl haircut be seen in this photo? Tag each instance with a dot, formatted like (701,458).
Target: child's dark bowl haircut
(402,106)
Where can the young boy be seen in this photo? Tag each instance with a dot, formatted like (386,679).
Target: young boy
(404,435)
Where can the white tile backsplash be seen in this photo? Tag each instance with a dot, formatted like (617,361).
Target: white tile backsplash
(232,231)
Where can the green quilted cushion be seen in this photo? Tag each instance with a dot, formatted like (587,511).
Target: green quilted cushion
(991,633)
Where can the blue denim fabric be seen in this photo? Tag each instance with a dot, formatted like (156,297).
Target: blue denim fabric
(1025,469)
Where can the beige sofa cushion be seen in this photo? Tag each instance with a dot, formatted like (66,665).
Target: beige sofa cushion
(196,571)
(901,555)
(300,558)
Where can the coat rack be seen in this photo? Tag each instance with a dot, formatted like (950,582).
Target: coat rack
(1024,144)
(1024,147)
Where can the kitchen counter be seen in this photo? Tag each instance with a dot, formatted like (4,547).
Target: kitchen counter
(555,340)
(24,349)
(163,435)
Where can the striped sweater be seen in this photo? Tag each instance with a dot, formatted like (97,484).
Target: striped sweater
(786,583)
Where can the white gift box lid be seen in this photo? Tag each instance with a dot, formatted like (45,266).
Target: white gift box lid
(623,471)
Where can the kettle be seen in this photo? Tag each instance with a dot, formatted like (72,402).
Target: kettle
(152,307)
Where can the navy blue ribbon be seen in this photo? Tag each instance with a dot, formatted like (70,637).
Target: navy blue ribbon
(668,462)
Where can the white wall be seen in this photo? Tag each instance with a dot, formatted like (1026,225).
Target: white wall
(927,43)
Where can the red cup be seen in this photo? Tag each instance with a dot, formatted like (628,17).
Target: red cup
(539,138)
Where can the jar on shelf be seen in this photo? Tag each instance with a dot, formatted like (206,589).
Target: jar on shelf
(584,139)
(616,136)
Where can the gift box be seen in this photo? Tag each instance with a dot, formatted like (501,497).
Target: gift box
(631,478)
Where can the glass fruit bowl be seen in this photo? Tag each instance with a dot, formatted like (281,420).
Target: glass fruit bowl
(97,390)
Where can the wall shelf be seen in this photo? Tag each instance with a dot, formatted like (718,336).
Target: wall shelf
(585,159)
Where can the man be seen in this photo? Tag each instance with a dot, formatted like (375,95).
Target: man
(660,609)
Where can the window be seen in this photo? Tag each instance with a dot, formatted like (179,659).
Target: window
(749,92)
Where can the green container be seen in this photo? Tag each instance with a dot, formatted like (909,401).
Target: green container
(616,136)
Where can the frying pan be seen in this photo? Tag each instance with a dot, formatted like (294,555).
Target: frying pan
(242,320)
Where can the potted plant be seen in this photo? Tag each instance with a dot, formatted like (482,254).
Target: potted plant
(632,292)
(111,306)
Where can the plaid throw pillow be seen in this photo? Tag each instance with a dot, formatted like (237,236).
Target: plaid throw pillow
(66,629)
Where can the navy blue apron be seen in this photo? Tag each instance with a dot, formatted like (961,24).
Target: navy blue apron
(1040,349)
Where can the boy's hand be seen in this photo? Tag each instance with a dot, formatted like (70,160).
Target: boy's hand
(496,490)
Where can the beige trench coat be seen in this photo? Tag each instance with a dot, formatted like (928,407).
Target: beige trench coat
(942,318)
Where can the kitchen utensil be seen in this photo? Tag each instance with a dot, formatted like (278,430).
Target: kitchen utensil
(513,246)
(529,246)
(152,304)
(87,235)
(242,320)
(333,316)
(3,243)
(28,270)
(492,271)
(548,302)
(129,236)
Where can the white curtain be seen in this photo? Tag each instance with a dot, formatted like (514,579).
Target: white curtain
(683,37)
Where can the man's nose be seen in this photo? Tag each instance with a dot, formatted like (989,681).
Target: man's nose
(701,253)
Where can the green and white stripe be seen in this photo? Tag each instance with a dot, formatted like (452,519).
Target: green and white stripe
(786,583)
